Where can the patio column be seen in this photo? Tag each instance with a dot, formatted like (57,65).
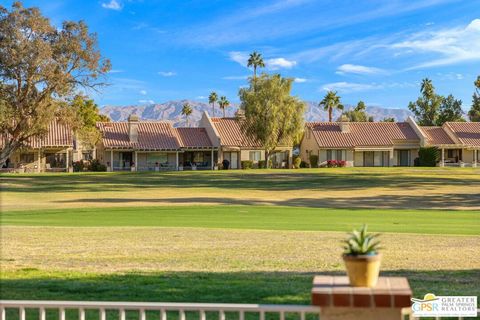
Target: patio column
(390,158)
(474,164)
(211,165)
(39,167)
(111,160)
(67,159)
(176,160)
(136,160)
(442,163)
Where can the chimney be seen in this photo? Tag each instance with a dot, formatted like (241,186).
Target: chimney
(344,124)
(133,128)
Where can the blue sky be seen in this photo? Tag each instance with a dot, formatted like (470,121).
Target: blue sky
(375,51)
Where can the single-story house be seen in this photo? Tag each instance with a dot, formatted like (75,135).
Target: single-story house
(153,145)
(53,151)
(235,146)
(361,144)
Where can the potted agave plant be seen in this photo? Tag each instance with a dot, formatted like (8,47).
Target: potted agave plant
(362,258)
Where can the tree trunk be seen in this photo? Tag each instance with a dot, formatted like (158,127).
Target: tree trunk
(213,109)
(224,112)
(7,151)
(330,110)
(267,156)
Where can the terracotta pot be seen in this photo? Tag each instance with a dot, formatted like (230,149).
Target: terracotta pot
(363,270)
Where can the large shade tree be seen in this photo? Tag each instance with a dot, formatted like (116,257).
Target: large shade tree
(450,110)
(358,114)
(331,102)
(271,115)
(474,112)
(41,69)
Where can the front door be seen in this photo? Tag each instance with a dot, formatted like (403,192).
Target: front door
(403,158)
(125,159)
(234,160)
(368,159)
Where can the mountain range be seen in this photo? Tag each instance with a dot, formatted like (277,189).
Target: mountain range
(172,111)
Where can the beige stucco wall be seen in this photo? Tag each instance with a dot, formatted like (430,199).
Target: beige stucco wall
(358,159)
(308,144)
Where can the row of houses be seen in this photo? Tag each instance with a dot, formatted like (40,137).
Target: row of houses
(157,145)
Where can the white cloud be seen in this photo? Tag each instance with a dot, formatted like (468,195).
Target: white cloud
(143,92)
(115,71)
(239,57)
(145,101)
(279,63)
(112,5)
(167,73)
(357,69)
(235,78)
(200,97)
(347,87)
(300,80)
(455,45)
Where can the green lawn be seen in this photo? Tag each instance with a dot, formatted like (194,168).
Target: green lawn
(256,217)
(232,236)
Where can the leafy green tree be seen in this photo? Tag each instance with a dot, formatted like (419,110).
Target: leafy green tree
(187,111)
(223,103)
(358,114)
(255,60)
(41,68)
(85,115)
(212,98)
(427,106)
(388,119)
(474,112)
(330,102)
(271,115)
(450,110)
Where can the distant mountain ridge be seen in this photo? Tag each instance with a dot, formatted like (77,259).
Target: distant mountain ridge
(172,111)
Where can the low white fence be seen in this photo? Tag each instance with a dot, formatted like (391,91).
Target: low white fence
(163,311)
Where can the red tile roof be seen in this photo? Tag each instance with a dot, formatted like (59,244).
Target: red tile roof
(231,134)
(436,136)
(467,132)
(58,135)
(361,134)
(151,136)
(193,137)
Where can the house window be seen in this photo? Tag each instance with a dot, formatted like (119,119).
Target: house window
(87,155)
(26,157)
(336,154)
(255,155)
(198,157)
(156,157)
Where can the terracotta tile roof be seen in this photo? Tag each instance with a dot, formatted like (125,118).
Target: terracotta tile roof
(437,136)
(362,134)
(151,136)
(467,132)
(193,137)
(58,135)
(231,134)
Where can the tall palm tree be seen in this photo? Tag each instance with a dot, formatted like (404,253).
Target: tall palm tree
(331,102)
(212,98)
(223,103)
(186,111)
(255,60)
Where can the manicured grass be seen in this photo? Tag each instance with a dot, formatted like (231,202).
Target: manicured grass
(256,217)
(387,188)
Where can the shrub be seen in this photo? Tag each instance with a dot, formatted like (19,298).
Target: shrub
(428,157)
(261,164)
(297,162)
(361,243)
(95,165)
(79,166)
(304,164)
(313,161)
(336,163)
(247,164)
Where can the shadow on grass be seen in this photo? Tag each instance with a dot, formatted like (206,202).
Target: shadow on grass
(293,180)
(229,287)
(446,201)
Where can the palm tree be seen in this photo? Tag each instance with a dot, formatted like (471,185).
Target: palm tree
(223,103)
(255,60)
(187,110)
(331,102)
(212,98)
